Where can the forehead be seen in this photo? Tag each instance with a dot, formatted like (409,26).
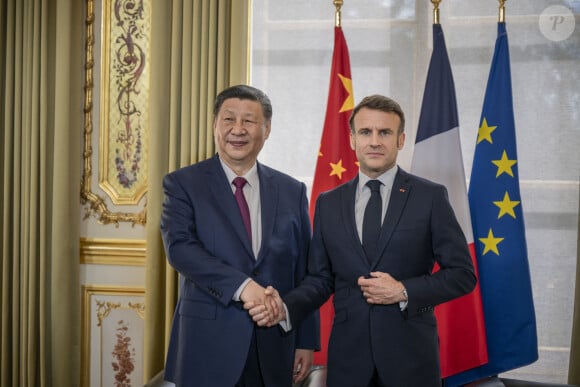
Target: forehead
(371,118)
(245,107)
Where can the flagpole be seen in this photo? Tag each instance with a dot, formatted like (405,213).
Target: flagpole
(337,5)
(501,15)
(435,11)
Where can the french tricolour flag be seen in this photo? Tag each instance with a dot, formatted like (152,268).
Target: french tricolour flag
(437,157)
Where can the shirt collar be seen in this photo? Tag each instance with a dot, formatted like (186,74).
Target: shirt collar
(251,176)
(387,178)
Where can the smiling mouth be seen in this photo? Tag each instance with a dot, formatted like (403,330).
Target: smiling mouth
(237,143)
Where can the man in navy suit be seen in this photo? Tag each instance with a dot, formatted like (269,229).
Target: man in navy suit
(384,331)
(225,259)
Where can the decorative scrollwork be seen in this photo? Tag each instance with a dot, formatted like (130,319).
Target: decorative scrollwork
(104,308)
(139,308)
(96,204)
(129,66)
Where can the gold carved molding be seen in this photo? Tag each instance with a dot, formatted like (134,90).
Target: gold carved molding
(104,308)
(107,299)
(123,252)
(124,102)
(96,205)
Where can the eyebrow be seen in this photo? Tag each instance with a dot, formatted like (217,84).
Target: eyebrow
(242,114)
(380,129)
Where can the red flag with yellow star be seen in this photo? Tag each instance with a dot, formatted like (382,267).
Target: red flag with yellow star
(336,162)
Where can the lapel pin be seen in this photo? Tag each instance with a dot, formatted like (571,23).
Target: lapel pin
(402,190)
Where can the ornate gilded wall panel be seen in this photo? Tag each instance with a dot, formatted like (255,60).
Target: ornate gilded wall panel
(112,336)
(123,107)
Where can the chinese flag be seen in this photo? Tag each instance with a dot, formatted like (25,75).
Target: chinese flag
(336,162)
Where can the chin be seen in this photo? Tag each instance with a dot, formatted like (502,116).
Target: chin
(377,167)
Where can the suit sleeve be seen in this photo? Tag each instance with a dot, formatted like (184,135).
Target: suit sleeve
(308,331)
(318,284)
(455,276)
(186,252)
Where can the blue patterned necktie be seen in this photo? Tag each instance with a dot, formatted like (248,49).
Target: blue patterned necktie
(372,219)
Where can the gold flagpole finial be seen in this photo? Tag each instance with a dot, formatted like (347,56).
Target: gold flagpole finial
(501,15)
(435,11)
(337,5)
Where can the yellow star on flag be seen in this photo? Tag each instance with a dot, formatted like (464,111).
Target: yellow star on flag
(349,102)
(490,243)
(506,206)
(504,165)
(484,132)
(337,169)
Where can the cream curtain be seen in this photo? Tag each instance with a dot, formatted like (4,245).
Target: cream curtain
(40,107)
(198,48)
(574,365)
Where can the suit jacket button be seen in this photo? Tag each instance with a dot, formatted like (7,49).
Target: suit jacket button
(256,273)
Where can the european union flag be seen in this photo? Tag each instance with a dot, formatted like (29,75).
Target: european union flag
(498,230)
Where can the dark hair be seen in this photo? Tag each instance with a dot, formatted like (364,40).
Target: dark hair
(382,103)
(244,92)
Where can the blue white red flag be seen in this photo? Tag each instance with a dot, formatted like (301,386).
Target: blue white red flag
(437,157)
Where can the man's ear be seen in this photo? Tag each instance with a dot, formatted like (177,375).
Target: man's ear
(401,141)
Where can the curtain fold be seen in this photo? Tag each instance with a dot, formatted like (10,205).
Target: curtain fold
(574,364)
(198,48)
(40,108)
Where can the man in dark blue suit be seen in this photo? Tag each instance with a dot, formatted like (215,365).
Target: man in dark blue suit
(382,275)
(227,238)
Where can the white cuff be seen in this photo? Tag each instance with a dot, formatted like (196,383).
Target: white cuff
(285,324)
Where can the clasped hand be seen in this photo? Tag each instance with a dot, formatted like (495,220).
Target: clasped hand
(381,288)
(267,309)
(264,305)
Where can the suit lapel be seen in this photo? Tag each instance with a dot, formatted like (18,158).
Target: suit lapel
(399,195)
(268,202)
(225,201)
(347,198)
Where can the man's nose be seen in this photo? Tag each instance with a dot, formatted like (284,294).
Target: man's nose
(375,139)
(238,127)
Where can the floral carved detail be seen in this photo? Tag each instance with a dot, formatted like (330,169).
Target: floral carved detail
(104,308)
(129,65)
(139,308)
(124,356)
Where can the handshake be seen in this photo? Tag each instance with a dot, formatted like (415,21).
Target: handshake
(267,308)
(264,305)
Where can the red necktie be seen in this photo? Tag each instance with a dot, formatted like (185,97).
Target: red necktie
(240,182)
